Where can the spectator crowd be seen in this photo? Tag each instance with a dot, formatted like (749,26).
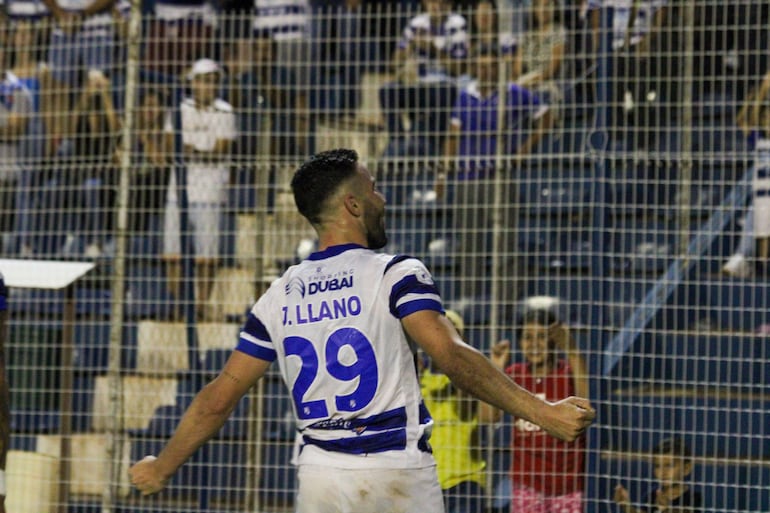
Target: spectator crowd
(237,68)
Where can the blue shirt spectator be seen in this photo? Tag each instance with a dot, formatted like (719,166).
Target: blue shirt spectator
(475,115)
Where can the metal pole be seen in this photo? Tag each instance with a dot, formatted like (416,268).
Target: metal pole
(65,405)
(114,383)
(685,183)
(503,172)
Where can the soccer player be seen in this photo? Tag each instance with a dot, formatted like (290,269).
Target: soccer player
(5,402)
(342,327)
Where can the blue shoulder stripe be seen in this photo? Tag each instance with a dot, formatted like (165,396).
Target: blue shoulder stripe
(395,260)
(256,329)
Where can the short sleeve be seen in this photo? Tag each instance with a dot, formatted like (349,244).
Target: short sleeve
(254,339)
(411,287)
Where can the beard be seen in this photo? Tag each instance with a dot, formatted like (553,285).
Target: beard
(376,238)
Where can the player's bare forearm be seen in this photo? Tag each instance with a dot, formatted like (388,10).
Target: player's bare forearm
(202,420)
(473,372)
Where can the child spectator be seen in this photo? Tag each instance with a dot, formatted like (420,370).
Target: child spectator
(547,473)
(455,437)
(208,131)
(672,464)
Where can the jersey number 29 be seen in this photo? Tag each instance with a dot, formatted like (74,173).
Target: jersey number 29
(363,368)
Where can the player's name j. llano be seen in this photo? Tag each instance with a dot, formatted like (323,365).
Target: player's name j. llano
(322,310)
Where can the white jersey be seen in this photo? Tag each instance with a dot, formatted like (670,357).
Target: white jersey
(201,129)
(333,324)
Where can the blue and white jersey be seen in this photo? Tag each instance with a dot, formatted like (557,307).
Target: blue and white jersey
(333,323)
(451,38)
(281,19)
(24,9)
(3,294)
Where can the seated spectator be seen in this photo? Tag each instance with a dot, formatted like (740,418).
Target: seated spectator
(208,131)
(81,41)
(428,60)
(540,52)
(672,464)
(471,151)
(16,111)
(455,436)
(85,177)
(754,120)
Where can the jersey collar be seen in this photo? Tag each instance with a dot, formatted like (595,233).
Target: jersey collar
(333,251)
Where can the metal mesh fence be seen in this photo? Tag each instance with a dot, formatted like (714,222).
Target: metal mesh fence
(602,160)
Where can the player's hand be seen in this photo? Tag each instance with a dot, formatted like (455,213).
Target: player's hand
(146,476)
(569,418)
(621,495)
(500,354)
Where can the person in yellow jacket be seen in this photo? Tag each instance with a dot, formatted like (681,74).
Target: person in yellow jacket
(454,439)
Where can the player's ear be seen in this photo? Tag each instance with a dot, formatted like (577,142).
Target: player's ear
(353,205)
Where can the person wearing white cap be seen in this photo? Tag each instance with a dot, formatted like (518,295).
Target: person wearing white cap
(208,131)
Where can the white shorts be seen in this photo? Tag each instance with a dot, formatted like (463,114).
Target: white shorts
(205,220)
(332,490)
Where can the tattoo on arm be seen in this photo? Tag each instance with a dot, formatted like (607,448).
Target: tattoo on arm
(231,377)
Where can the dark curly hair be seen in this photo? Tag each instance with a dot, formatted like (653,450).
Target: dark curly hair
(318,179)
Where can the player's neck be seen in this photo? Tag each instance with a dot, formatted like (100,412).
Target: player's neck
(337,237)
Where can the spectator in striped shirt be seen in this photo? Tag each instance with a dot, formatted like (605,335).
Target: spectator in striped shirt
(429,58)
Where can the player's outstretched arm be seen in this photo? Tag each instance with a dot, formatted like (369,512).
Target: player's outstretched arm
(202,420)
(473,372)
